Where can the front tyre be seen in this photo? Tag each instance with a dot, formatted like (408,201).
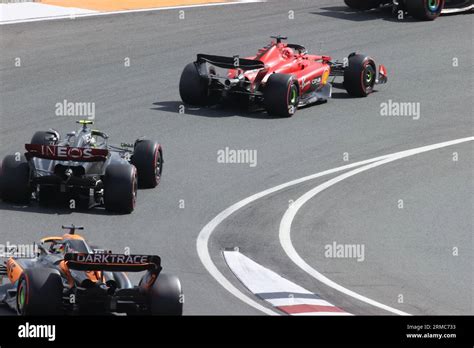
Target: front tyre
(360,75)
(281,95)
(425,10)
(148,159)
(39,292)
(120,188)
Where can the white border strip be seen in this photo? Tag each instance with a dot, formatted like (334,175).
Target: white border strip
(155,9)
(202,241)
(260,280)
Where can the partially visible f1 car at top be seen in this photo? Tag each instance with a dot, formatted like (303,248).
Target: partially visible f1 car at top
(420,9)
(66,276)
(281,77)
(82,165)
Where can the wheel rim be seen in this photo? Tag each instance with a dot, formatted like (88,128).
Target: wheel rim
(293,96)
(369,77)
(158,168)
(433,5)
(135,190)
(21,298)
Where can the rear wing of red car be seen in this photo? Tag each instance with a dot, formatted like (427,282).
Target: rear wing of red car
(65,153)
(230,62)
(113,262)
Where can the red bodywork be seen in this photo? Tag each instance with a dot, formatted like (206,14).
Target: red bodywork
(279,58)
(66,153)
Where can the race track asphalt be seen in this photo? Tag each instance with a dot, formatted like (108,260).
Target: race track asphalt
(407,251)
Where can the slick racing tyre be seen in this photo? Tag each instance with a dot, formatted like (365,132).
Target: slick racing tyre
(148,159)
(166,296)
(39,292)
(120,188)
(15,180)
(426,10)
(194,89)
(360,75)
(362,4)
(281,95)
(43,138)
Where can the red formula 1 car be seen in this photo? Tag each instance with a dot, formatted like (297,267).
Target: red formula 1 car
(281,78)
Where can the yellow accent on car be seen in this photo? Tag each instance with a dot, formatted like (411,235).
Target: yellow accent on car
(324,79)
(85,122)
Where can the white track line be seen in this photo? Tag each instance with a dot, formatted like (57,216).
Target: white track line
(285,225)
(457,10)
(204,235)
(206,232)
(73,15)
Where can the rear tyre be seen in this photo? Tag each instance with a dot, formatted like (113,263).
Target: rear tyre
(360,75)
(281,95)
(194,89)
(148,159)
(15,180)
(39,292)
(362,4)
(166,296)
(120,188)
(425,10)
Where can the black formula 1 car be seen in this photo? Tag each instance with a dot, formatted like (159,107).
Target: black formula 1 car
(83,166)
(281,77)
(420,9)
(66,276)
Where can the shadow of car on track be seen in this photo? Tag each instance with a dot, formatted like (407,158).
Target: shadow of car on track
(344,12)
(217,111)
(222,111)
(54,209)
(343,95)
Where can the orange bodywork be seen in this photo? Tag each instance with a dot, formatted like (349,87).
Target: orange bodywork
(65,236)
(14,270)
(94,276)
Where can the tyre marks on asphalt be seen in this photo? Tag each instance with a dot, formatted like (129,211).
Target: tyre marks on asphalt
(281,293)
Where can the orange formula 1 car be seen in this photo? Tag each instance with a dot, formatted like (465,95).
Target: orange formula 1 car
(66,276)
